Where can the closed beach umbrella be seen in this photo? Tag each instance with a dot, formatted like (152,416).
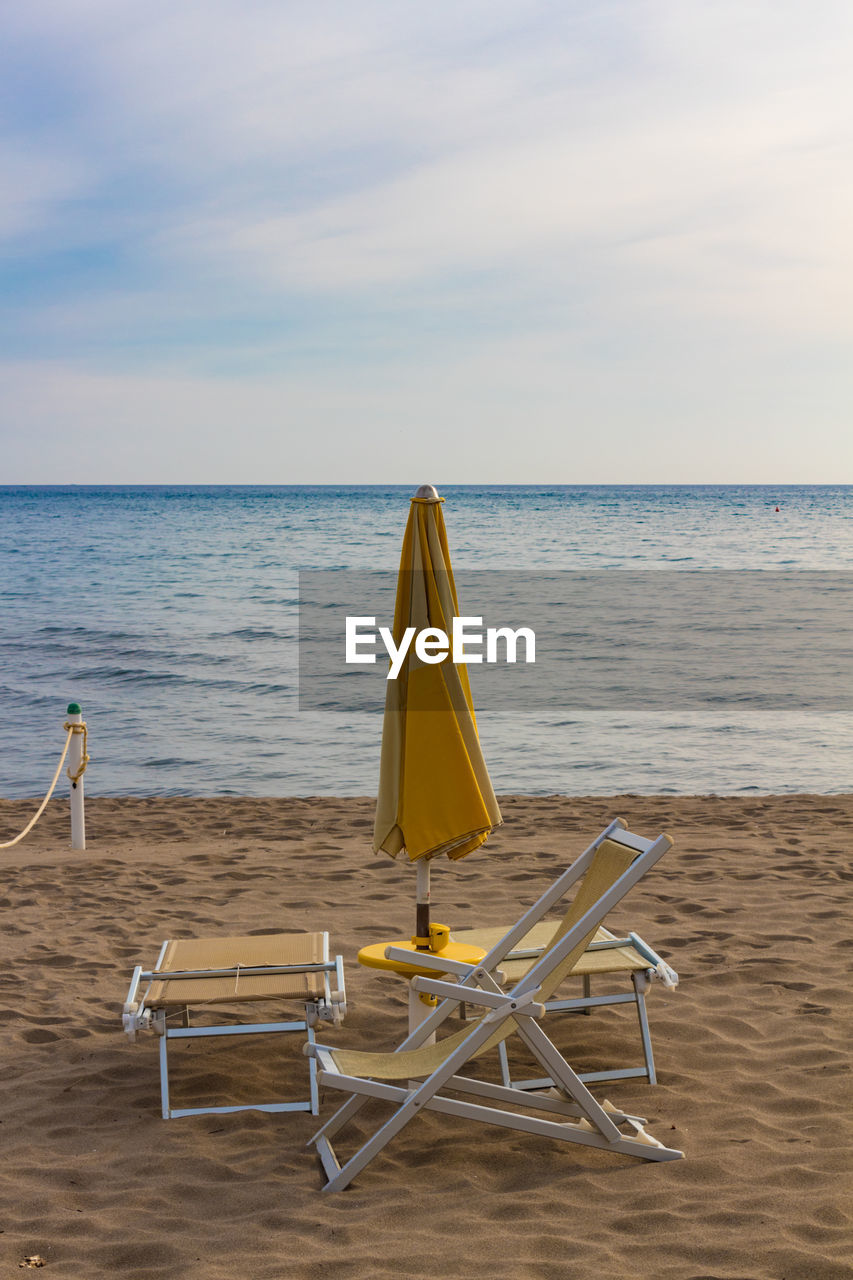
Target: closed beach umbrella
(435,796)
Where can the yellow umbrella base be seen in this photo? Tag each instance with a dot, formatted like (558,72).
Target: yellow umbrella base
(373,956)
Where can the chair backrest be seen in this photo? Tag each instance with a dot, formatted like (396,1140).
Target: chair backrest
(609,862)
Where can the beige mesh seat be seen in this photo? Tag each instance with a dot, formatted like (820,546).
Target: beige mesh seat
(221,975)
(602,875)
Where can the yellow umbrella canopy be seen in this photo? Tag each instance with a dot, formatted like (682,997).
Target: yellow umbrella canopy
(435,795)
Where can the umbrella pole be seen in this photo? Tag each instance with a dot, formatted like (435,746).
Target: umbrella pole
(422,904)
(418,1011)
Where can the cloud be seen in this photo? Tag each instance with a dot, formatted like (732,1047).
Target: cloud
(514,203)
(34,184)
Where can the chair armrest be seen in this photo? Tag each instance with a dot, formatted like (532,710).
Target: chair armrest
(429,960)
(490,1000)
(667,975)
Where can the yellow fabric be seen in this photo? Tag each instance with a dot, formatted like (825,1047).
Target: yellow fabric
(435,795)
(252,951)
(611,960)
(611,860)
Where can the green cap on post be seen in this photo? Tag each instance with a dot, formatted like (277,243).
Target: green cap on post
(74,709)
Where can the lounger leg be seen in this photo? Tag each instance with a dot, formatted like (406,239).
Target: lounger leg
(644,1028)
(164,1075)
(587,991)
(312,1075)
(503,1056)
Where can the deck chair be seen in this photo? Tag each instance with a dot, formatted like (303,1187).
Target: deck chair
(606,871)
(217,974)
(607,956)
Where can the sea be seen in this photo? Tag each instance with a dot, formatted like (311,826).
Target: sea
(171,614)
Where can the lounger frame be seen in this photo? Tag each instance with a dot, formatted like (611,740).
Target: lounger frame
(330,1005)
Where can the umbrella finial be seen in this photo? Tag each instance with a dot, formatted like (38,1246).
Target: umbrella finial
(427,493)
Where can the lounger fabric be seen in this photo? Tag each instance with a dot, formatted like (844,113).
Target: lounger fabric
(541,936)
(249,952)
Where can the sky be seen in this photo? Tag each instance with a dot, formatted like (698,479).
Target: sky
(354,241)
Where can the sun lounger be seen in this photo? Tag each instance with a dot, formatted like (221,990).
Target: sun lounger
(607,870)
(218,974)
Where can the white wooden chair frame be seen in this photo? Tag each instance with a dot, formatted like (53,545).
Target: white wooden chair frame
(598,1126)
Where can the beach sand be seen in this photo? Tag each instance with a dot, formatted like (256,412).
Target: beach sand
(752,907)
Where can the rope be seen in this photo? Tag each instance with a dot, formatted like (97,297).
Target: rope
(71,730)
(84,756)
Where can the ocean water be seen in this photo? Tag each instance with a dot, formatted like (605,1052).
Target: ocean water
(171,614)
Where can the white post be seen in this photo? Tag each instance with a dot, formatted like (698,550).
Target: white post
(75,759)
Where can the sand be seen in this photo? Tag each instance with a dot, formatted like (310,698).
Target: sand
(752,907)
